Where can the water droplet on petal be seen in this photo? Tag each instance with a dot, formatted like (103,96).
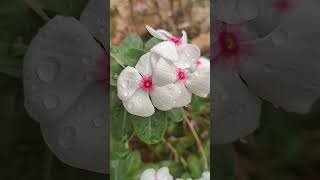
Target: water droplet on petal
(66,138)
(51,101)
(279,37)
(130,105)
(98,122)
(85,60)
(197,73)
(125,94)
(267,68)
(124,84)
(140,99)
(47,71)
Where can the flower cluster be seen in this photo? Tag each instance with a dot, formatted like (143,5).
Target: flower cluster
(262,49)
(168,74)
(164,174)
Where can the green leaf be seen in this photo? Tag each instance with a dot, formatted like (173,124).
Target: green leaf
(150,43)
(124,165)
(195,166)
(176,114)
(150,129)
(120,122)
(131,56)
(133,41)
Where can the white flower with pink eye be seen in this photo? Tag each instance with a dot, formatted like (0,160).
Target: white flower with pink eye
(190,73)
(177,50)
(151,174)
(195,80)
(205,176)
(137,85)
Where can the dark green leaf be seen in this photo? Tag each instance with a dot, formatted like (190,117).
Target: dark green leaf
(131,56)
(120,122)
(150,129)
(133,41)
(176,114)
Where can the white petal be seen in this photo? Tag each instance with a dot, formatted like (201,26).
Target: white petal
(163,72)
(236,111)
(139,104)
(286,75)
(164,98)
(94,17)
(163,174)
(225,10)
(184,97)
(167,50)
(188,54)
(199,82)
(160,34)
(128,83)
(206,175)
(184,37)
(247,9)
(144,65)
(148,174)
(202,64)
(82,131)
(59,64)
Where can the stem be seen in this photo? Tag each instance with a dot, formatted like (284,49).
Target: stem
(36,7)
(173,150)
(199,143)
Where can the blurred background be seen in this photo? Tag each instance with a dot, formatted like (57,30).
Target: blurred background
(23,153)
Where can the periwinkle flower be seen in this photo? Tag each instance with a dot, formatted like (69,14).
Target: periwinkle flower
(64,75)
(152,174)
(159,76)
(280,64)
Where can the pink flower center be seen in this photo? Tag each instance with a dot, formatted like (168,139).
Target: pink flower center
(282,6)
(146,84)
(228,43)
(176,41)
(198,62)
(182,75)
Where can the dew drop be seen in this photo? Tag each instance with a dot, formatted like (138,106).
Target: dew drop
(85,60)
(89,77)
(130,105)
(140,99)
(124,84)
(279,38)
(125,94)
(267,68)
(98,122)
(47,71)
(66,138)
(51,101)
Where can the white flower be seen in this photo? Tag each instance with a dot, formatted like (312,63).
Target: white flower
(195,80)
(151,174)
(190,72)
(135,85)
(177,50)
(205,176)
